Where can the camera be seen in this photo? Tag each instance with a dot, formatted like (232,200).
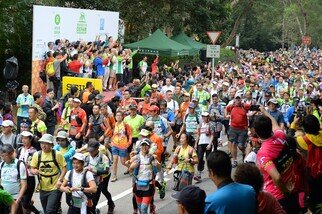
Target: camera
(300,113)
(254,108)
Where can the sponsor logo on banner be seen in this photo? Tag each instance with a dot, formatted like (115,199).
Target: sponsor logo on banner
(81,24)
(80,83)
(57,25)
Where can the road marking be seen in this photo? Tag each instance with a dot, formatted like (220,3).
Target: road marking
(128,191)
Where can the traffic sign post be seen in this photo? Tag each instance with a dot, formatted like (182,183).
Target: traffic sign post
(213,51)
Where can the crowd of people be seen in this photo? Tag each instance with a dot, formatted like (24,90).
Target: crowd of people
(268,104)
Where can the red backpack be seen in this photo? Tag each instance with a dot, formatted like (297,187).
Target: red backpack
(314,158)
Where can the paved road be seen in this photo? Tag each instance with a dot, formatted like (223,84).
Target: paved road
(122,194)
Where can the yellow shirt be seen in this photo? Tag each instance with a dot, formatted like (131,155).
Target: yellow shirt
(183,154)
(48,171)
(315,139)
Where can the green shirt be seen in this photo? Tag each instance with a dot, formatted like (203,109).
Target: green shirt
(119,69)
(135,123)
(146,88)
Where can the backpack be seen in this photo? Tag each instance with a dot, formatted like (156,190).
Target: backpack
(84,184)
(18,168)
(314,158)
(53,152)
(50,71)
(144,185)
(197,118)
(286,156)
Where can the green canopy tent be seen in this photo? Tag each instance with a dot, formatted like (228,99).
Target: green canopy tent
(158,43)
(188,41)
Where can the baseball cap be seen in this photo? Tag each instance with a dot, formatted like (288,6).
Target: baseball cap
(132,106)
(268,93)
(205,114)
(7,123)
(76,100)
(154,108)
(238,95)
(62,134)
(92,145)
(274,101)
(154,86)
(192,105)
(144,132)
(214,82)
(26,134)
(226,84)
(47,138)
(194,99)
(147,94)
(145,141)
(191,197)
(99,97)
(186,94)
(79,156)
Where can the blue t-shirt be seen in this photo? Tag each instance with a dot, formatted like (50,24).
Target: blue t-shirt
(231,199)
(278,116)
(24,102)
(98,62)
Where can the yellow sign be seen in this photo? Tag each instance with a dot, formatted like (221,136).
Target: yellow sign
(80,83)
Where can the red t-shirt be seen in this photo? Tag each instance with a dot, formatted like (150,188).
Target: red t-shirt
(238,116)
(75,66)
(268,152)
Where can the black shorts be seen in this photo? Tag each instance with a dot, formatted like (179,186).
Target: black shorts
(134,140)
(140,193)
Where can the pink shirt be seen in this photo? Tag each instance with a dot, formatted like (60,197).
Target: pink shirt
(268,152)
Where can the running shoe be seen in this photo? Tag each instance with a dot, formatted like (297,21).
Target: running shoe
(162,189)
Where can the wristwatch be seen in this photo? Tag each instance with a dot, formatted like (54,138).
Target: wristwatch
(82,189)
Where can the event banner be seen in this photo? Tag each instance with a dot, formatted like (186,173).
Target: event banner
(80,83)
(51,23)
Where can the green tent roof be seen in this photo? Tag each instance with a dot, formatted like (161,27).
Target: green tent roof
(188,41)
(159,43)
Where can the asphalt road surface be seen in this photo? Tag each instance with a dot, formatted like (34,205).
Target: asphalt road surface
(121,191)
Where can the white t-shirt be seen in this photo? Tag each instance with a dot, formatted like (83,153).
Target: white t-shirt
(173,105)
(79,198)
(204,129)
(251,157)
(166,88)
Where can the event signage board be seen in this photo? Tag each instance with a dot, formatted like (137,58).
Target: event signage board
(80,83)
(51,23)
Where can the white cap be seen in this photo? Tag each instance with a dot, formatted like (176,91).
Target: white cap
(205,114)
(79,156)
(76,100)
(26,134)
(7,123)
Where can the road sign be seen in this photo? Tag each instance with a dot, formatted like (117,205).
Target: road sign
(306,40)
(213,51)
(213,36)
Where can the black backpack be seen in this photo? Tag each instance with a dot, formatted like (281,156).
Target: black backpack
(83,183)
(286,156)
(10,71)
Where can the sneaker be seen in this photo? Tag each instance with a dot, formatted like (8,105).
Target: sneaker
(152,209)
(235,164)
(111,208)
(162,190)
(97,211)
(114,179)
(126,172)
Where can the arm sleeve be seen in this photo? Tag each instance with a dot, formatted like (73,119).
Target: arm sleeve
(89,176)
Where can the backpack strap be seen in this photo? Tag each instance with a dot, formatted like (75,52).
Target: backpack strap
(84,180)
(53,152)
(307,140)
(19,152)
(70,177)
(39,158)
(2,164)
